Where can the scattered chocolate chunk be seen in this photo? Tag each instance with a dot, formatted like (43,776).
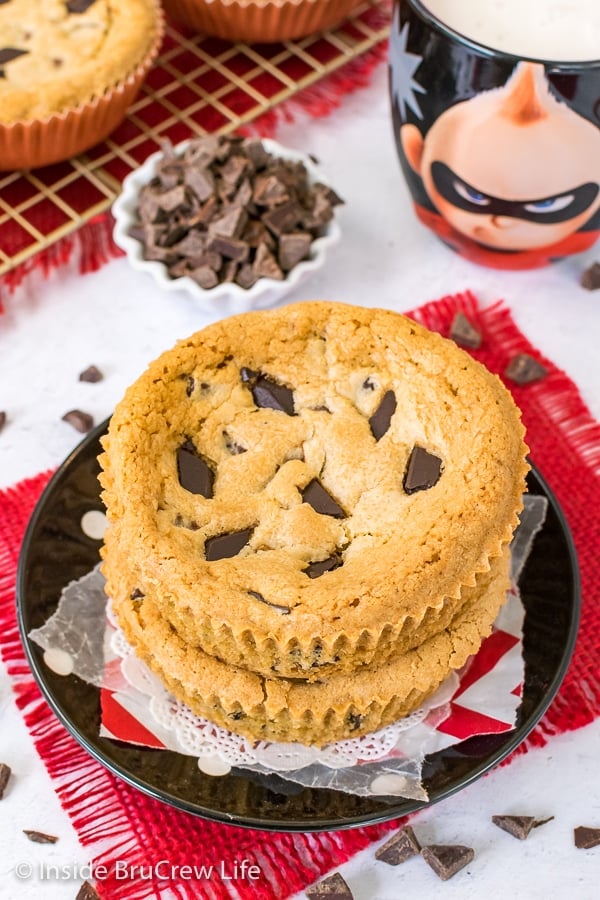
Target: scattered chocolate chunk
(381,418)
(268,394)
(87,892)
(79,6)
(284,610)
(590,280)
(194,473)
(226,200)
(39,837)
(3,418)
(423,471)
(368,384)
(81,421)
(5,772)
(585,837)
(316,569)
(519,826)
(463,332)
(331,888)
(92,374)
(224,546)
(321,500)
(402,846)
(447,859)
(523,369)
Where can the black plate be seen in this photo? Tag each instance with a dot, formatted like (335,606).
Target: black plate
(55,551)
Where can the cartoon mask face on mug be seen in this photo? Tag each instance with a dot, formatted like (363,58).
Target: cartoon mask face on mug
(486,167)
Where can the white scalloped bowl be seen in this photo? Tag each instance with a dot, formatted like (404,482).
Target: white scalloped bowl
(229,298)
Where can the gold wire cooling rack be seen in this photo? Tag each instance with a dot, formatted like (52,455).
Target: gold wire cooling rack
(198,85)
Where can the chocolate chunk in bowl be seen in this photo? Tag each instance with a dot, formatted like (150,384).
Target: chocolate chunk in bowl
(228,219)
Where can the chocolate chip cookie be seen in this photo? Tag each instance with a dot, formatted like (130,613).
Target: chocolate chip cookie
(58,54)
(299,490)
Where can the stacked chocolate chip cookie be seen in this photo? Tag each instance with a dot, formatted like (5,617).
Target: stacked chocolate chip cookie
(309,517)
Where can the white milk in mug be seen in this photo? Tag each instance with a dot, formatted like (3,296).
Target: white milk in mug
(561,30)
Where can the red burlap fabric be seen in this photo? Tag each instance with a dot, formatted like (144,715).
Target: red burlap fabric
(116,822)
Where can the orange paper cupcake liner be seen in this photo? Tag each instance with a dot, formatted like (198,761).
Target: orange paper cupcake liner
(259,22)
(41,142)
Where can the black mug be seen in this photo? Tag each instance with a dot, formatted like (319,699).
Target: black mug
(501,153)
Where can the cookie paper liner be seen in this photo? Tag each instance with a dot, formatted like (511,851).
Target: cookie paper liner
(137,709)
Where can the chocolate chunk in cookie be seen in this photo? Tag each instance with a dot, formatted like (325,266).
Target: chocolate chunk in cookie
(194,473)
(224,546)
(321,500)
(268,394)
(316,569)
(380,421)
(423,471)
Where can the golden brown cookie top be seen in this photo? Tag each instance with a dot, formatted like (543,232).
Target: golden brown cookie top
(313,474)
(57,54)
